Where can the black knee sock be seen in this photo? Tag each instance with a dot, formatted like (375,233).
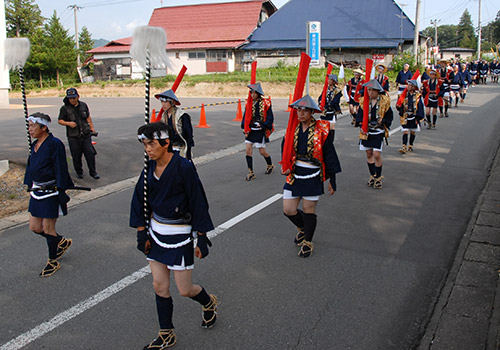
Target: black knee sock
(249,162)
(297,219)
(465,94)
(456,100)
(268,160)
(371,168)
(165,309)
(434,118)
(412,139)
(52,242)
(43,234)
(378,171)
(446,109)
(310,221)
(441,109)
(202,297)
(428,117)
(405,139)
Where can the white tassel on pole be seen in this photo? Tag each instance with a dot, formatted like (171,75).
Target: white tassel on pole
(17,51)
(152,40)
(341,72)
(373,74)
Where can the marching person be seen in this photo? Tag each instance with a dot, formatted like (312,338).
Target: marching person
(455,84)
(403,77)
(257,129)
(466,80)
(332,105)
(444,73)
(313,163)
(495,70)
(431,90)
(379,121)
(180,123)
(483,68)
(382,79)
(178,209)
(352,91)
(473,72)
(411,112)
(75,116)
(47,179)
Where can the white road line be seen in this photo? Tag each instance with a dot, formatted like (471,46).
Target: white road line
(394,130)
(45,327)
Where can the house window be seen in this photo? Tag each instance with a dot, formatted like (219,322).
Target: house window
(197,55)
(217,56)
(177,55)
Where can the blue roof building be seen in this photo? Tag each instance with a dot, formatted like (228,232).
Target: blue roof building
(351,30)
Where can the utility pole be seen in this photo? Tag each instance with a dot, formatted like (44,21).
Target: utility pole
(75,9)
(416,38)
(435,23)
(401,16)
(479,36)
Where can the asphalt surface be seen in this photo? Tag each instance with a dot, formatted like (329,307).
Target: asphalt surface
(380,258)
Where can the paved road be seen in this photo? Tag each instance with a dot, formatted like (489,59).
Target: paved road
(379,262)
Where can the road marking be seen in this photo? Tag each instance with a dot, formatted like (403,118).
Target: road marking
(61,318)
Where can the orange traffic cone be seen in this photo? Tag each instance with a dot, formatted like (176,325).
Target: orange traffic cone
(203,118)
(239,115)
(289,103)
(153,116)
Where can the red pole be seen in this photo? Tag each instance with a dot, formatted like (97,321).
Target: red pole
(286,161)
(179,78)
(366,100)
(249,104)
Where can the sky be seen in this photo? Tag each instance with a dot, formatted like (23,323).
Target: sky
(115,19)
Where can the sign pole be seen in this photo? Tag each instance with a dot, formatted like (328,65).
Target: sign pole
(313,45)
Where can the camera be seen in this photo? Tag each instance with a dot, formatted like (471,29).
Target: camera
(95,134)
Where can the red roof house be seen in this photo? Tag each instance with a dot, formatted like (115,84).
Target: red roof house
(203,37)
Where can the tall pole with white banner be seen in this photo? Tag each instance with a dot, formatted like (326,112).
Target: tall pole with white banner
(4,72)
(313,45)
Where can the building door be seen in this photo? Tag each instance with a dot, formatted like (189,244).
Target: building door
(216,61)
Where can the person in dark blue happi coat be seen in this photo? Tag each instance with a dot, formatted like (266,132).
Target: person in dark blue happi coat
(379,121)
(257,127)
(403,77)
(411,113)
(177,208)
(47,179)
(332,101)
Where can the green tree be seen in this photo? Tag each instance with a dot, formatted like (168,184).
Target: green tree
(447,35)
(60,47)
(86,43)
(38,60)
(466,31)
(23,17)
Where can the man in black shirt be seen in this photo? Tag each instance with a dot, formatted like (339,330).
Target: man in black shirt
(75,116)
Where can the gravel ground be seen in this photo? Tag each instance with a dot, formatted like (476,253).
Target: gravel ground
(13,195)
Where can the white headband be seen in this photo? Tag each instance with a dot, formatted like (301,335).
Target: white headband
(162,135)
(38,120)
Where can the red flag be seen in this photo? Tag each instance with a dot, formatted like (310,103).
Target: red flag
(286,160)
(325,87)
(403,95)
(366,100)
(249,104)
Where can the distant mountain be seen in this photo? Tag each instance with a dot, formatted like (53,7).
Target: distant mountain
(100,42)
